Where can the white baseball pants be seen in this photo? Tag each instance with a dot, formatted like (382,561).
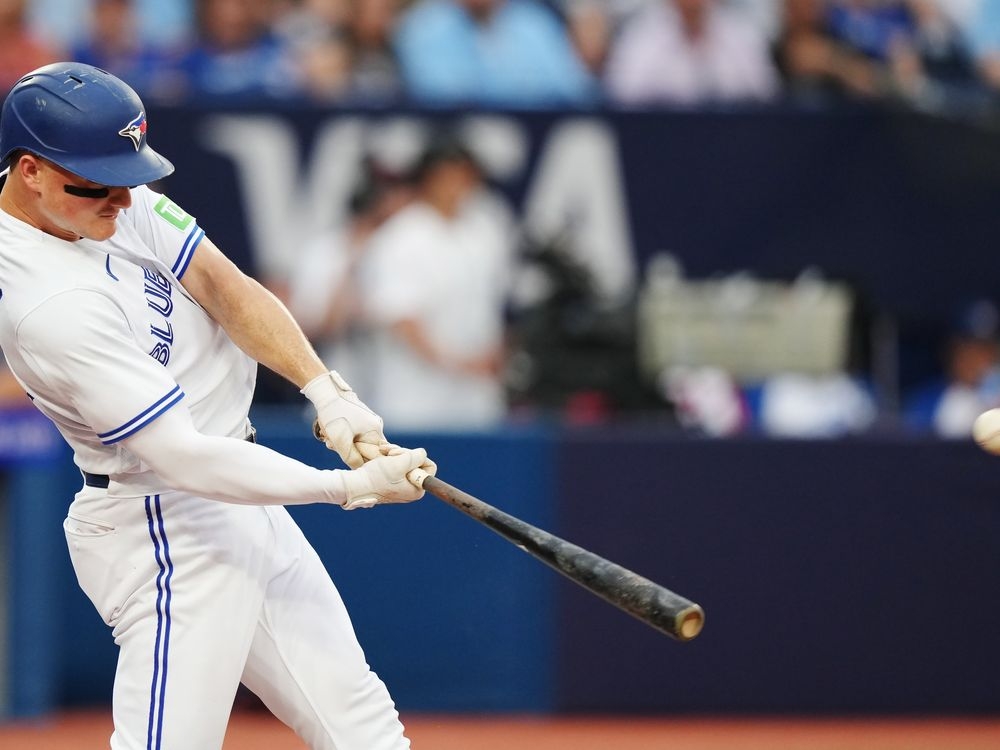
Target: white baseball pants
(202,595)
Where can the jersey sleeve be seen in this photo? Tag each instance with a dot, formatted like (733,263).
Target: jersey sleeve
(168,229)
(89,361)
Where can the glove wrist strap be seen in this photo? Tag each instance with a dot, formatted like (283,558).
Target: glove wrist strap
(325,388)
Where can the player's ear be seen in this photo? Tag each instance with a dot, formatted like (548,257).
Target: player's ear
(28,167)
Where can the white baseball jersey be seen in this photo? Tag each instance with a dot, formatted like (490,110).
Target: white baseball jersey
(104,339)
(200,595)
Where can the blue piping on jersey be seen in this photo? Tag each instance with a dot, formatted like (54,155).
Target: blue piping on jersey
(158,685)
(143,418)
(107,267)
(187,251)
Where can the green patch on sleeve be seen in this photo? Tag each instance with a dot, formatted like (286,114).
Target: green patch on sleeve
(170,212)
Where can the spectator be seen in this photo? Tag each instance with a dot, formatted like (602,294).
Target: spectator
(872,27)
(20,50)
(436,280)
(594,24)
(982,36)
(375,71)
(590,28)
(64,23)
(765,15)
(941,41)
(298,20)
(343,49)
(958,15)
(324,294)
(314,31)
(909,50)
(971,382)
(113,45)
(814,63)
(507,53)
(798,405)
(325,66)
(690,52)
(235,56)
(885,31)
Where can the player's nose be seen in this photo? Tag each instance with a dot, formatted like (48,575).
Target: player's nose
(120,197)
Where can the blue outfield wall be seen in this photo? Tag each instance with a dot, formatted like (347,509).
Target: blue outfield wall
(856,576)
(837,576)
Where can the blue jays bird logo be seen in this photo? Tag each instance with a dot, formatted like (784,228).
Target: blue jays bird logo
(135,130)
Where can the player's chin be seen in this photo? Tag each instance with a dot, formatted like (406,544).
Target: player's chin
(102,229)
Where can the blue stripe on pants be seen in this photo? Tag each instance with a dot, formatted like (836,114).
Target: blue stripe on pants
(158,687)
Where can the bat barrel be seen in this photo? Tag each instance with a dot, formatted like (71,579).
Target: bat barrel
(650,602)
(655,605)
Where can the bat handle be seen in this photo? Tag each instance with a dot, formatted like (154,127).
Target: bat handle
(417,477)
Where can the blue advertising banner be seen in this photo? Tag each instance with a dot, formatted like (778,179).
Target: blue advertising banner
(902,204)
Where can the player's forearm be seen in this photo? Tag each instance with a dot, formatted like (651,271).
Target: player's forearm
(228,469)
(254,318)
(235,471)
(260,324)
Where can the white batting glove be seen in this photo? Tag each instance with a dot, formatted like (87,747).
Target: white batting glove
(343,421)
(384,479)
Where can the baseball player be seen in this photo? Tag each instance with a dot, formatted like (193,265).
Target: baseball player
(136,336)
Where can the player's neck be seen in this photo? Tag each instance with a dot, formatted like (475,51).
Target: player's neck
(11,204)
(15,202)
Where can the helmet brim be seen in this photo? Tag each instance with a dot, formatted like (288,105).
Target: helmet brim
(119,170)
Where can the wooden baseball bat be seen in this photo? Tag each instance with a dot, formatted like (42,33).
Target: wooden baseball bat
(653,604)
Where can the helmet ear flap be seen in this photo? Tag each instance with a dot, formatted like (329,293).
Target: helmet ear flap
(83,119)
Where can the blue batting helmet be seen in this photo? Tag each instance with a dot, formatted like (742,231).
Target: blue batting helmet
(85,120)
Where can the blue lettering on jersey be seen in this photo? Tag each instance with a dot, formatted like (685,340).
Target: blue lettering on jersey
(158,292)
(166,335)
(107,267)
(158,298)
(161,353)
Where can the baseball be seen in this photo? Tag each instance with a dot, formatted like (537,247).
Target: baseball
(986,431)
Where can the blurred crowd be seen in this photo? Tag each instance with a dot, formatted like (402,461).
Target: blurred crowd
(521,53)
